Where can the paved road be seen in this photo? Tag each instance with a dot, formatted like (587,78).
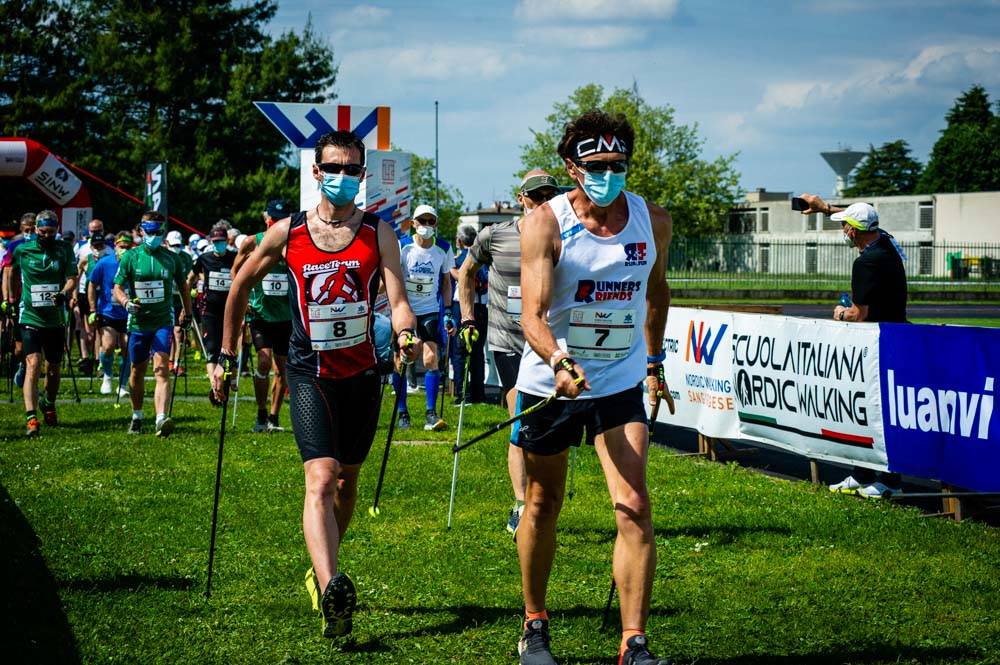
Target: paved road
(913,311)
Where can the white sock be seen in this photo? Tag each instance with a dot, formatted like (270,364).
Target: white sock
(137,415)
(160,417)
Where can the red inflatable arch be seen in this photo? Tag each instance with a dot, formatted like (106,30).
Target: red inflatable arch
(24,158)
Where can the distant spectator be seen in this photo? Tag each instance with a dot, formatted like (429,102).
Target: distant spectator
(475,392)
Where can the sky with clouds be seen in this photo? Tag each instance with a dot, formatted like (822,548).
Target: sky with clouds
(777,82)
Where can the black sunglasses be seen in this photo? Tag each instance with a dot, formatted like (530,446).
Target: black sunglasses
(427,221)
(346,169)
(541,195)
(599,166)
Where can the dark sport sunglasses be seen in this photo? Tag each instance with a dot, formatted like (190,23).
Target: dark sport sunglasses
(346,169)
(600,166)
(541,195)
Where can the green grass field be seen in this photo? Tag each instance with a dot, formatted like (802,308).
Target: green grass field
(105,539)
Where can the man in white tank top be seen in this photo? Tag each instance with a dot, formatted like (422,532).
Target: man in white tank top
(594,306)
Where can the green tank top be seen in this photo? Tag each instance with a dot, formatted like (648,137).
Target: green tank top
(269,299)
(44,272)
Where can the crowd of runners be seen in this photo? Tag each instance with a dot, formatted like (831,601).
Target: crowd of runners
(577,303)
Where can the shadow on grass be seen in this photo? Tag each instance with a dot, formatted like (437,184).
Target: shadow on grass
(116,421)
(33,625)
(719,534)
(877,653)
(128,582)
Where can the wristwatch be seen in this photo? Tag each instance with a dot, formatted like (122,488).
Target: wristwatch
(842,312)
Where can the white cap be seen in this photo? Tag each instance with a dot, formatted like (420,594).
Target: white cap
(859,215)
(174,238)
(425,209)
(202,245)
(239,240)
(193,238)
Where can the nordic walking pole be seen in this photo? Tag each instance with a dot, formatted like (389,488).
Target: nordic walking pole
(173,389)
(458,440)
(607,605)
(517,416)
(184,337)
(226,377)
(572,470)
(201,341)
(72,376)
(374,510)
(239,371)
(447,365)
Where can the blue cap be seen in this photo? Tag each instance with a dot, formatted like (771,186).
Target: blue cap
(277,209)
(151,227)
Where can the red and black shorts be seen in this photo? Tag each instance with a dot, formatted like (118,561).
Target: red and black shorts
(563,423)
(334,418)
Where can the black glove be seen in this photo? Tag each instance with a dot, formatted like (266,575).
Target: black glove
(468,334)
(59,298)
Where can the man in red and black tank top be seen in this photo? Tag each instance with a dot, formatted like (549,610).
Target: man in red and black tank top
(336,256)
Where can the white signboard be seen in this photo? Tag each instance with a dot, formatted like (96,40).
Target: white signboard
(55,180)
(13,158)
(699,349)
(809,386)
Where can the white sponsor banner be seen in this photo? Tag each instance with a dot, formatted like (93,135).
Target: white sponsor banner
(699,349)
(76,219)
(13,158)
(386,189)
(809,386)
(55,180)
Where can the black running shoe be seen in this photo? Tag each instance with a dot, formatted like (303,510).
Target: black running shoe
(403,420)
(338,603)
(637,653)
(135,427)
(534,644)
(432,423)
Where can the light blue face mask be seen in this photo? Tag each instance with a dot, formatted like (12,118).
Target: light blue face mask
(603,188)
(152,241)
(340,189)
(219,246)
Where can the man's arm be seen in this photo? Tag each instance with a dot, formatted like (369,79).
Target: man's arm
(816,204)
(392,276)
(658,302)
(539,240)
(244,252)
(467,286)
(182,288)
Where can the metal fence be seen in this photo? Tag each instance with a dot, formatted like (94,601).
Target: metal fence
(739,263)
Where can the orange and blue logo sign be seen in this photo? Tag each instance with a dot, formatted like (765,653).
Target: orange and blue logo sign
(704,345)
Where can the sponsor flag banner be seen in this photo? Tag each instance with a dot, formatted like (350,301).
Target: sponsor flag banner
(386,190)
(699,370)
(811,387)
(55,180)
(938,387)
(156,187)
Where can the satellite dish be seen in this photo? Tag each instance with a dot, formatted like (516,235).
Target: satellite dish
(842,162)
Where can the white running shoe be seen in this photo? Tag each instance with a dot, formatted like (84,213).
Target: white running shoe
(877,491)
(123,392)
(106,388)
(846,486)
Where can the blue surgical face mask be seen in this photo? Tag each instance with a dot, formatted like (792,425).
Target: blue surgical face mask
(30,236)
(219,246)
(152,241)
(603,188)
(340,189)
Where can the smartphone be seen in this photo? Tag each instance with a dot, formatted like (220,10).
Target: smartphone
(799,204)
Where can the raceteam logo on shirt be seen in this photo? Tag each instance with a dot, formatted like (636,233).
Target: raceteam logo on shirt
(589,290)
(340,285)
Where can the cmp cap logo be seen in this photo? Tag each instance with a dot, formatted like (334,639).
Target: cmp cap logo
(635,254)
(599,144)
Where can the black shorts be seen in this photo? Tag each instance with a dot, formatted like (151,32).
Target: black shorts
(507,364)
(83,304)
(561,424)
(334,418)
(211,334)
(429,328)
(48,341)
(272,335)
(119,325)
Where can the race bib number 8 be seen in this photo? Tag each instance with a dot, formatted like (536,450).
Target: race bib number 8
(600,334)
(41,294)
(420,285)
(275,285)
(219,281)
(150,292)
(338,326)
(514,303)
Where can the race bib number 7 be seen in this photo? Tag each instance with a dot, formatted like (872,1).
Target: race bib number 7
(150,292)
(338,326)
(41,294)
(600,334)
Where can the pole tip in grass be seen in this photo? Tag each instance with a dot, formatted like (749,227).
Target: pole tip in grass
(374,511)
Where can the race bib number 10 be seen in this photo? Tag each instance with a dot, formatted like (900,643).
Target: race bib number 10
(600,334)
(338,326)
(514,303)
(149,292)
(275,284)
